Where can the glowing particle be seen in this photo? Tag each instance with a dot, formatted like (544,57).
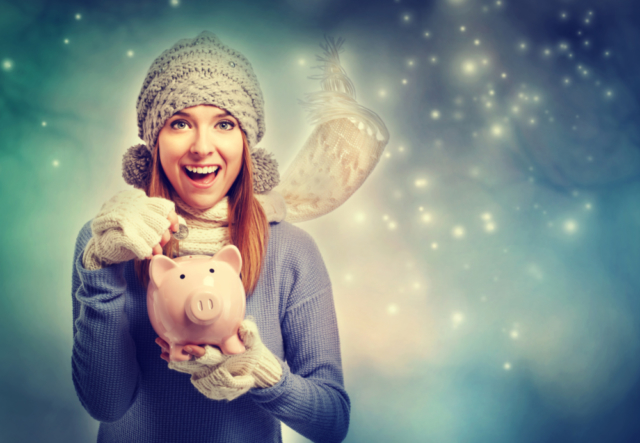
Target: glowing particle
(382,93)
(458,232)
(301,62)
(435,114)
(66,41)
(420,183)
(514,334)
(174,3)
(421,208)
(56,163)
(404,81)
(463,28)
(515,109)
(532,121)
(507,366)
(416,285)
(407,17)
(476,42)
(490,227)
(427,34)
(504,75)
(44,124)
(410,62)
(7,64)
(130,53)
(566,81)
(486,216)
(426,218)
(469,68)
(457,318)
(523,46)
(587,206)
(496,130)
(392,226)
(434,245)
(570,226)
(485,61)
(434,59)
(348,277)
(609,93)
(392,309)
(78,17)
(360,217)
(385,217)
(387,154)
(401,148)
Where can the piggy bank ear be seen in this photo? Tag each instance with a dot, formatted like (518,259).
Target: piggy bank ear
(159,267)
(230,255)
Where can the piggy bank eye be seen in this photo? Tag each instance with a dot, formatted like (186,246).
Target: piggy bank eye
(211,270)
(181,275)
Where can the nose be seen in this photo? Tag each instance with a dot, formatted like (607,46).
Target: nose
(204,143)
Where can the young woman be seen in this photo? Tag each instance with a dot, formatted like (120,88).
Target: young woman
(201,112)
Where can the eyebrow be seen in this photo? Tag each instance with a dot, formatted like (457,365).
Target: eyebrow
(186,114)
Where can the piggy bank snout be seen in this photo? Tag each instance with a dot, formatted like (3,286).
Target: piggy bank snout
(203,307)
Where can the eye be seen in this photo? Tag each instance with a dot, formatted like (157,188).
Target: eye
(179,124)
(226,125)
(211,270)
(182,276)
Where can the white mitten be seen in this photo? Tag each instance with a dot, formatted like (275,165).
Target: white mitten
(225,377)
(128,226)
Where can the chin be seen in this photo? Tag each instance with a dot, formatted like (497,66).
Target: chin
(202,203)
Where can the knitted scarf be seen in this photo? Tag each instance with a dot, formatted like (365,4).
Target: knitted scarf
(209,228)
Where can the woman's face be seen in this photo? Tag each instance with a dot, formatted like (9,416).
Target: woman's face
(201,154)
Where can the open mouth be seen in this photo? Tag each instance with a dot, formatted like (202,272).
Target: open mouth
(202,176)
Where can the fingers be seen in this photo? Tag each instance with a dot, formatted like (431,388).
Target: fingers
(196,351)
(175,224)
(165,349)
(157,250)
(165,238)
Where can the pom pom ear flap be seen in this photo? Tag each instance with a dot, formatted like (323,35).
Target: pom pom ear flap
(265,171)
(136,166)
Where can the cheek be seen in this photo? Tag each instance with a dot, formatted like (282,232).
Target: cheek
(169,161)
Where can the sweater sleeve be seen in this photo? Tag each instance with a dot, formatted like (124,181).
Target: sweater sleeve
(104,366)
(310,397)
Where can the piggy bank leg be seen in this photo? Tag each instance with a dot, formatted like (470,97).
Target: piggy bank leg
(177,354)
(233,345)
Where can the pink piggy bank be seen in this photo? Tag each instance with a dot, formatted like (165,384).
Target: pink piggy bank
(197,299)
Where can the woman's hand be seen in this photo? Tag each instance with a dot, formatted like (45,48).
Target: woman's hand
(130,225)
(166,236)
(194,350)
(225,377)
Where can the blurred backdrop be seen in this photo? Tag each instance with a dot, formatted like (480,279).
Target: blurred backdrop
(486,274)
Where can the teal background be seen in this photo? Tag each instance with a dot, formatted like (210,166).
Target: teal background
(485,275)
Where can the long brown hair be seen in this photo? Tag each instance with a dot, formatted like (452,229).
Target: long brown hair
(248,225)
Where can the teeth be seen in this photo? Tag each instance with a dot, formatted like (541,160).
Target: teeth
(205,170)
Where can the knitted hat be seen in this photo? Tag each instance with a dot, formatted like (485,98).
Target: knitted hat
(200,71)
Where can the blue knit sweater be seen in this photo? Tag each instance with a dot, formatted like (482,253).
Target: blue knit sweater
(122,381)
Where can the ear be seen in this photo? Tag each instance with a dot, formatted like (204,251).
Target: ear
(158,268)
(230,255)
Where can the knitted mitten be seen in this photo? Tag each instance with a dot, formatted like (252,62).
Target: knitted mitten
(128,226)
(225,377)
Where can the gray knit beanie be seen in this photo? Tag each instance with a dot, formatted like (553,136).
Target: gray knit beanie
(200,71)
